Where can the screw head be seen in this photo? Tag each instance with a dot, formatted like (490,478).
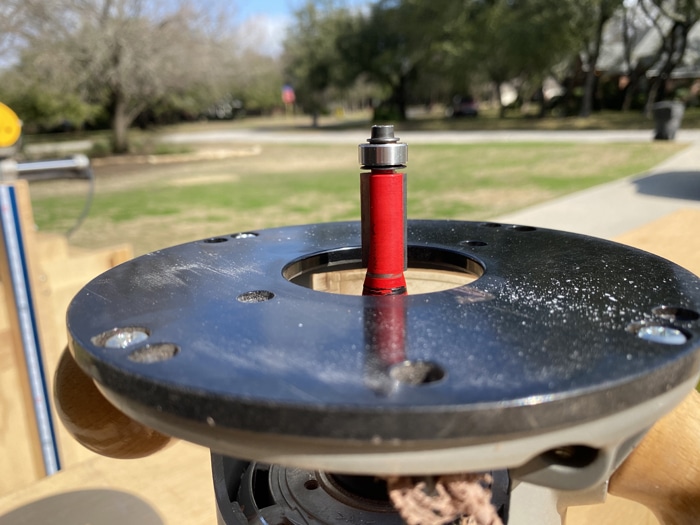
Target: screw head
(662,334)
(125,338)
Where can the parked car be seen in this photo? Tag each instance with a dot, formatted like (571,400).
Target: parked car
(226,109)
(462,106)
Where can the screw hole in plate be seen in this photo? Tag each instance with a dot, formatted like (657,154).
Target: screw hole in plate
(674,313)
(154,353)
(255,296)
(311,484)
(416,372)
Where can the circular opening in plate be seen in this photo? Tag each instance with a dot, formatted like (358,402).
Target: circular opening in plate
(341,272)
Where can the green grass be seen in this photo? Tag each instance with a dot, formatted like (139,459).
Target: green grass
(156,206)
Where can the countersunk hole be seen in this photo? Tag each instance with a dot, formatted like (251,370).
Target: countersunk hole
(519,228)
(491,224)
(256,296)
(215,240)
(674,313)
(121,337)
(154,353)
(416,372)
(244,235)
(574,456)
(311,484)
(473,243)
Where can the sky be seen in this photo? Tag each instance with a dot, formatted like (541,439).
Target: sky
(266,20)
(270,8)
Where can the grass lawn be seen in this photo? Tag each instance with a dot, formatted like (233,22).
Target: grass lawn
(154,206)
(602,120)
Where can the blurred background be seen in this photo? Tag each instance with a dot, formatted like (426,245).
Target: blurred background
(205,117)
(116,64)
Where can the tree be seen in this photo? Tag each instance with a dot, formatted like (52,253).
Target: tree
(524,38)
(312,63)
(601,11)
(122,55)
(258,83)
(21,20)
(44,106)
(395,45)
(633,24)
(682,15)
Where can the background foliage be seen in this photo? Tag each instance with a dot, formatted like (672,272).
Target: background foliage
(120,63)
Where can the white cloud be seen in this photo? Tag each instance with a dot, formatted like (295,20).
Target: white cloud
(265,33)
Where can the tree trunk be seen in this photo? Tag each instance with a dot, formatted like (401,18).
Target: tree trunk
(401,95)
(543,103)
(589,87)
(631,90)
(633,75)
(653,95)
(588,90)
(678,41)
(120,125)
(501,107)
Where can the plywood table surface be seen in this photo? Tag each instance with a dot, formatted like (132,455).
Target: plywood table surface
(168,488)
(673,237)
(175,485)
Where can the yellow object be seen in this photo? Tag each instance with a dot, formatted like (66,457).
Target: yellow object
(10,126)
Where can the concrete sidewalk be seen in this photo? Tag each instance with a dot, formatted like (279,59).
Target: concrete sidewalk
(617,207)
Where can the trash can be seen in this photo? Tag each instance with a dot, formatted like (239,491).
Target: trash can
(667,119)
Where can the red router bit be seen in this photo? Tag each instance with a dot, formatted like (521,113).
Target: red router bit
(383,195)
